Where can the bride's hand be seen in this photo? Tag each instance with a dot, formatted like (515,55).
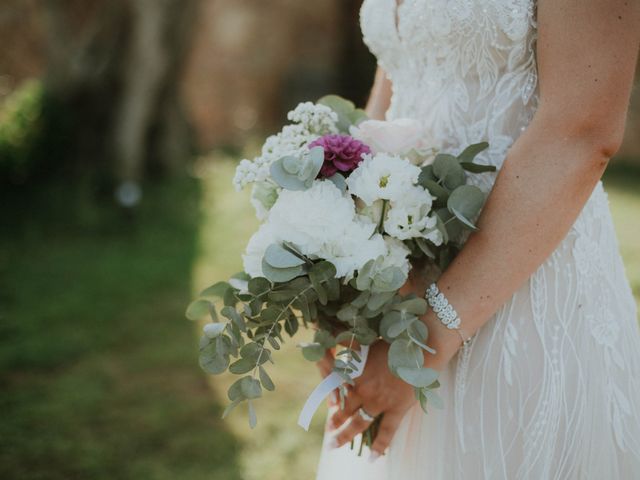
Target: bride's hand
(377,391)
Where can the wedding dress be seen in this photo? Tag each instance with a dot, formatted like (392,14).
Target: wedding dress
(552,388)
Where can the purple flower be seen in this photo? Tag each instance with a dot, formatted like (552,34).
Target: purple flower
(342,153)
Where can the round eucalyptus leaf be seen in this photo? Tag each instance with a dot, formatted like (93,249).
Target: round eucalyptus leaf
(214,330)
(280,275)
(216,290)
(291,165)
(259,286)
(285,179)
(241,366)
(418,377)
(465,203)
(401,325)
(214,364)
(250,387)
(197,309)
(279,257)
(312,351)
(447,168)
(433,397)
(416,306)
(404,353)
(339,181)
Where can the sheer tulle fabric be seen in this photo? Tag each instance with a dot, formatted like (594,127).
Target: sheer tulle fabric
(553,380)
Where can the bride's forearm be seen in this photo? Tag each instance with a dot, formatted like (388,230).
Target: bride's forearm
(380,96)
(585,77)
(546,180)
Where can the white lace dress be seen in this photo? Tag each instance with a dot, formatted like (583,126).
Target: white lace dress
(553,385)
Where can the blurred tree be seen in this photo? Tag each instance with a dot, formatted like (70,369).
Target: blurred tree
(114,67)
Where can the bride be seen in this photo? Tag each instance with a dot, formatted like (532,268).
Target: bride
(550,385)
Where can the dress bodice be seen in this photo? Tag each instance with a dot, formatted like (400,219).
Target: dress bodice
(466,68)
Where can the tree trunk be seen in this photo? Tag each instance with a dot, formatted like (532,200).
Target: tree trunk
(114,66)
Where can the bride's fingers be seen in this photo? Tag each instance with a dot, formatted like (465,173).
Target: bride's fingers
(351,403)
(356,425)
(325,364)
(388,427)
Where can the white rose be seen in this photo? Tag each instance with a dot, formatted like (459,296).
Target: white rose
(396,137)
(382,177)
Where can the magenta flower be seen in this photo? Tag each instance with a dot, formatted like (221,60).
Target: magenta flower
(342,153)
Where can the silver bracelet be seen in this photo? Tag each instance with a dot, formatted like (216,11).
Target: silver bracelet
(445,312)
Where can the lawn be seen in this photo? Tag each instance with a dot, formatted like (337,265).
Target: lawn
(98,368)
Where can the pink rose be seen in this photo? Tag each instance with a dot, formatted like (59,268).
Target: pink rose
(396,137)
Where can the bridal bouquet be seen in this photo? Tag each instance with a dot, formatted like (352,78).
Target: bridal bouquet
(345,204)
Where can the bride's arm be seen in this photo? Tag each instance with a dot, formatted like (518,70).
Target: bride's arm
(586,58)
(380,96)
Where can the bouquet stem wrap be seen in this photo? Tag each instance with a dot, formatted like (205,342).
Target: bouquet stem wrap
(324,388)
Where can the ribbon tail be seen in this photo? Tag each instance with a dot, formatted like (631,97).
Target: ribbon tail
(330,383)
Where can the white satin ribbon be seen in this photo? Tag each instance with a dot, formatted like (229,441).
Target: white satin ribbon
(330,383)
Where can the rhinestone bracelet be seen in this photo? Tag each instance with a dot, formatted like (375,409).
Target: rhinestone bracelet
(445,312)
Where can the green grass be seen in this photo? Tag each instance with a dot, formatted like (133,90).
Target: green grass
(98,369)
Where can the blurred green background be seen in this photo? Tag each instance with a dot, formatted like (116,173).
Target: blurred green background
(121,123)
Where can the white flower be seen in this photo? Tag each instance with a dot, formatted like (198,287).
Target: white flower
(318,119)
(382,176)
(395,137)
(252,259)
(321,223)
(409,216)
(396,256)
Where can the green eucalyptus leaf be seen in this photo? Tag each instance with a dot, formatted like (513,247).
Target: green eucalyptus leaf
(465,203)
(312,351)
(344,109)
(214,330)
(280,275)
(235,317)
(241,366)
(197,309)
(339,181)
(291,165)
(426,173)
(471,151)
(389,280)
(285,179)
(279,257)
(250,387)
(433,398)
(324,338)
(259,286)
(229,408)
(388,320)
(253,419)
(216,290)
(379,299)
(235,391)
(265,379)
(477,167)
(214,363)
(425,248)
(416,306)
(404,353)
(401,325)
(441,194)
(448,170)
(418,377)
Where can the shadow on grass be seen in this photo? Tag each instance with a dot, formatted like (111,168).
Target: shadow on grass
(98,368)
